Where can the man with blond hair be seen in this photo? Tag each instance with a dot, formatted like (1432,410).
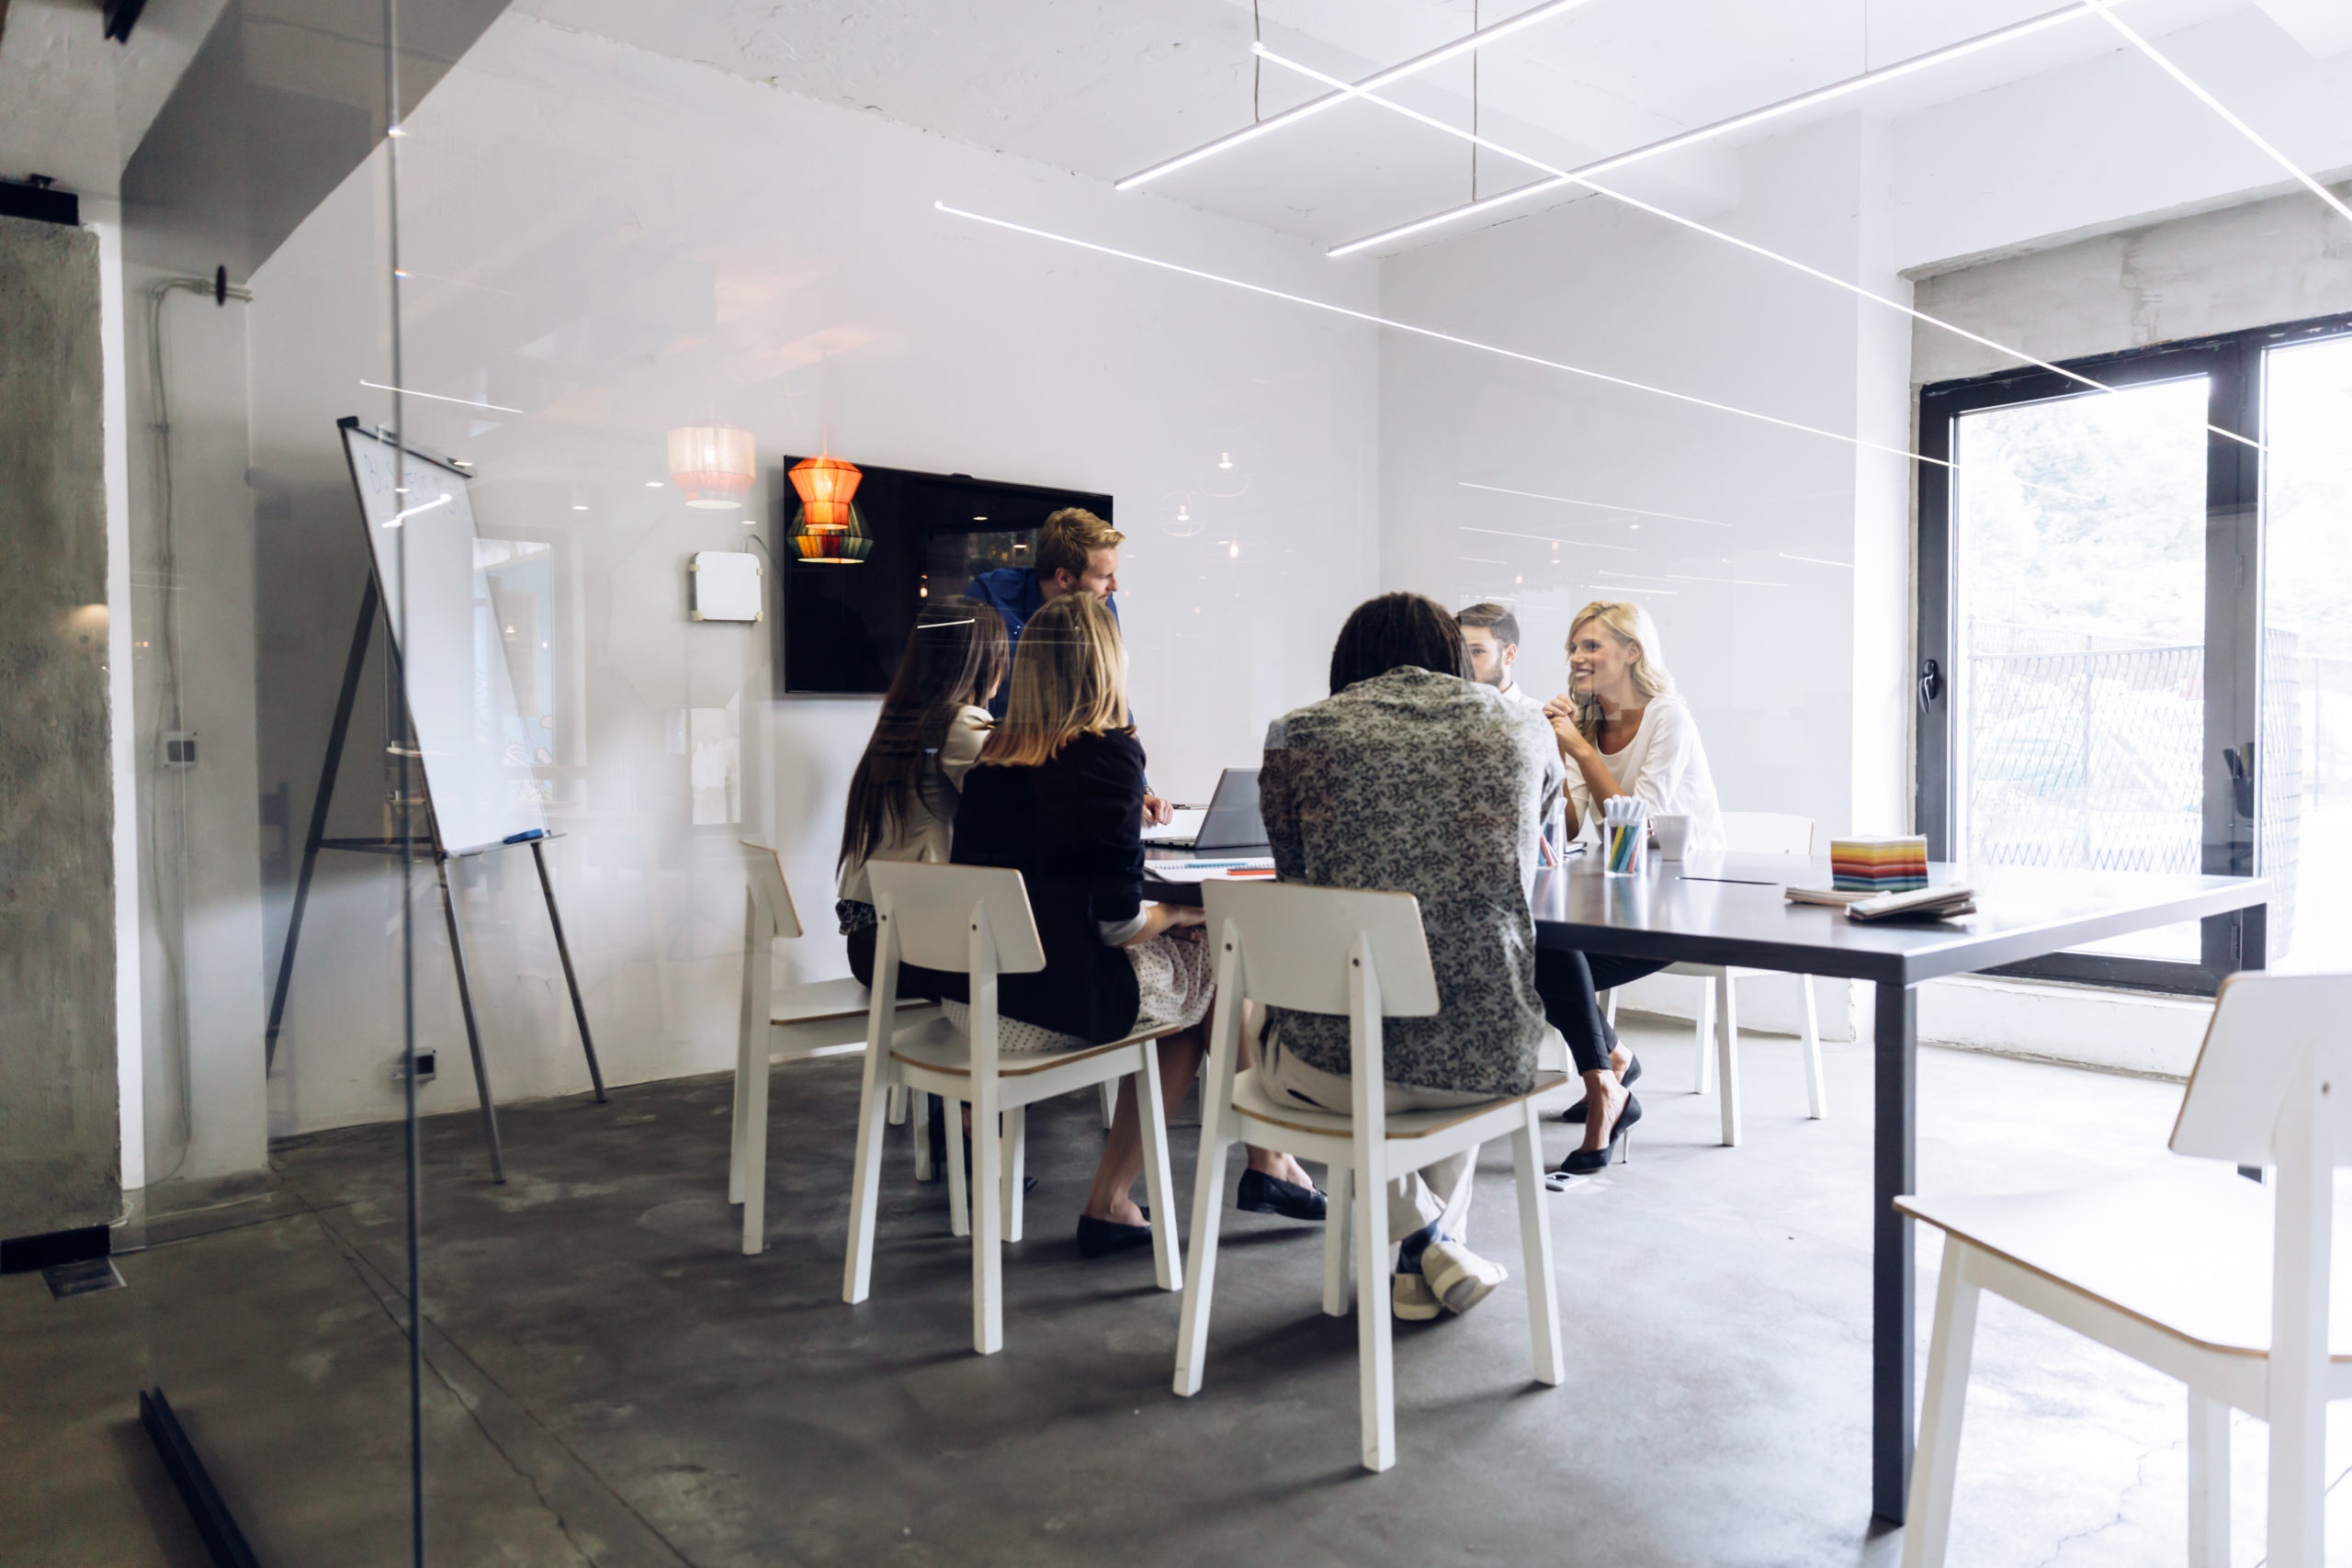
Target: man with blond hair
(1075,552)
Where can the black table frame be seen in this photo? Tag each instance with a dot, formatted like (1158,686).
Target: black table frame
(1902,959)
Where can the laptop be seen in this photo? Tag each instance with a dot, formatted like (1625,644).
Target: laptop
(1229,821)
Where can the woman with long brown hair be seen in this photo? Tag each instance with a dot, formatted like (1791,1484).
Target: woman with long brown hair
(934,719)
(1057,796)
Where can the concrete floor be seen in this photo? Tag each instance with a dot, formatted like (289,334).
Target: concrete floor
(610,1381)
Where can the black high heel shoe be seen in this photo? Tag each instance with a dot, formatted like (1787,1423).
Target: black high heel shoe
(1632,1070)
(1584,1162)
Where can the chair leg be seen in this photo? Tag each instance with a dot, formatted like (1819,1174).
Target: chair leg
(1817,1092)
(1151,1114)
(1200,1269)
(988,1235)
(1535,1247)
(743,1092)
(755,1151)
(921,1109)
(1337,1293)
(1937,1460)
(1376,1374)
(1108,1091)
(1016,1128)
(1727,1053)
(865,1186)
(958,1199)
(2208,1482)
(1705,1027)
(1208,1215)
(1608,1006)
(898,1105)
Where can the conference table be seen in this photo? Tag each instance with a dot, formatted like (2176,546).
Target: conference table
(1729,909)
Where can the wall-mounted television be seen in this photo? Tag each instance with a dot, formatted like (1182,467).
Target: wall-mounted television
(841,621)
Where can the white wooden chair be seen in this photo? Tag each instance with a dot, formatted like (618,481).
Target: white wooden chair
(975,921)
(826,1019)
(1361,954)
(2221,1282)
(1753,833)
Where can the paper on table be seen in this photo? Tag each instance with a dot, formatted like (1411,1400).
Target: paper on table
(1180,871)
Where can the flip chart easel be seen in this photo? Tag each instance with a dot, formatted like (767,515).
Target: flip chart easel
(426,485)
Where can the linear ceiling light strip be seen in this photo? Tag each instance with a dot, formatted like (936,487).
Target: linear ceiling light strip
(2211,102)
(1748,245)
(1412,67)
(1547,539)
(1602,505)
(1720,127)
(1435,336)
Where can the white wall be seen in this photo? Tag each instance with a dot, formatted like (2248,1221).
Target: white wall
(618,243)
(192,614)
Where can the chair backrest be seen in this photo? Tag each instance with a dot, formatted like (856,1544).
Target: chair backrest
(1766,833)
(771,896)
(1297,939)
(929,908)
(2265,1030)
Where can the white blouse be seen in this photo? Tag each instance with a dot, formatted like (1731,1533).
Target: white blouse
(1666,765)
(929,830)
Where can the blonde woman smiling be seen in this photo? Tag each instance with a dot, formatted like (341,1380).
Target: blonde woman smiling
(1623,731)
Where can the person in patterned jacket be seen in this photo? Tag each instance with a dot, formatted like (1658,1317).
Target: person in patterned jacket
(1411,777)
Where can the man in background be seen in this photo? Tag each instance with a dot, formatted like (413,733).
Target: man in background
(1075,552)
(1491,634)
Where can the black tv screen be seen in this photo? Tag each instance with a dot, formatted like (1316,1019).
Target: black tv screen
(843,622)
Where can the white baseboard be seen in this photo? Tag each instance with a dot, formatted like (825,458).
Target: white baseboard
(2126,1032)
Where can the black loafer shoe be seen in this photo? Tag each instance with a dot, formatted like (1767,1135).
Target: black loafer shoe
(1099,1238)
(1263,1194)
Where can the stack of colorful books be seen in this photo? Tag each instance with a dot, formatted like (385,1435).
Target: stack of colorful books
(1879,865)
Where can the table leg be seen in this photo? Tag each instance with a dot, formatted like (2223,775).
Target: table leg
(1894,1277)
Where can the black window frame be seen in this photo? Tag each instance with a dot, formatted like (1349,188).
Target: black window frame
(2233,363)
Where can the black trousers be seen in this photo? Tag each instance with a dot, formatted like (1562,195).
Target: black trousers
(1570,982)
(861,956)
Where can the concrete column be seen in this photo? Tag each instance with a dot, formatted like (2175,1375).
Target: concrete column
(60,1149)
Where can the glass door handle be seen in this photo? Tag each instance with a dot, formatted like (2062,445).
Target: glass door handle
(1932,684)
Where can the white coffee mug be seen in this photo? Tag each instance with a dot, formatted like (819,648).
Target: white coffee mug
(1672,832)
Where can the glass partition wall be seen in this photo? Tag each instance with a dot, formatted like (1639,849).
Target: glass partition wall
(262,1329)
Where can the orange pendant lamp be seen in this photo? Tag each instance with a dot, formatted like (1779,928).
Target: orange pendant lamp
(825,485)
(713,464)
(829,531)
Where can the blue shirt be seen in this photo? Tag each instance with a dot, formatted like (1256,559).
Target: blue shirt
(1012,592)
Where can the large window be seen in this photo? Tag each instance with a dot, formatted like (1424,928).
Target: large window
(2135,632)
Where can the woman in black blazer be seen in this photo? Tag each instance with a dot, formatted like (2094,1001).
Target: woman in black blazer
(1057,796)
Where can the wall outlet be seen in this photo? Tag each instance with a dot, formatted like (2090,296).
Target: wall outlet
(176,748)
(425,1064)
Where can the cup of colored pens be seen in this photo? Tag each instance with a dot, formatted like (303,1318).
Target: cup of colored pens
(1624,836)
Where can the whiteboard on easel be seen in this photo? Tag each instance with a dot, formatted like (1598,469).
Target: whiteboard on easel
(431,570)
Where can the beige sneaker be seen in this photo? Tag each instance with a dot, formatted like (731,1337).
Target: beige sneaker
(1458,1277)
(1413,1300)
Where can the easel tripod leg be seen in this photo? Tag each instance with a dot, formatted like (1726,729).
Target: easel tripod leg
(352,668)
(563,951)
(473,1034)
